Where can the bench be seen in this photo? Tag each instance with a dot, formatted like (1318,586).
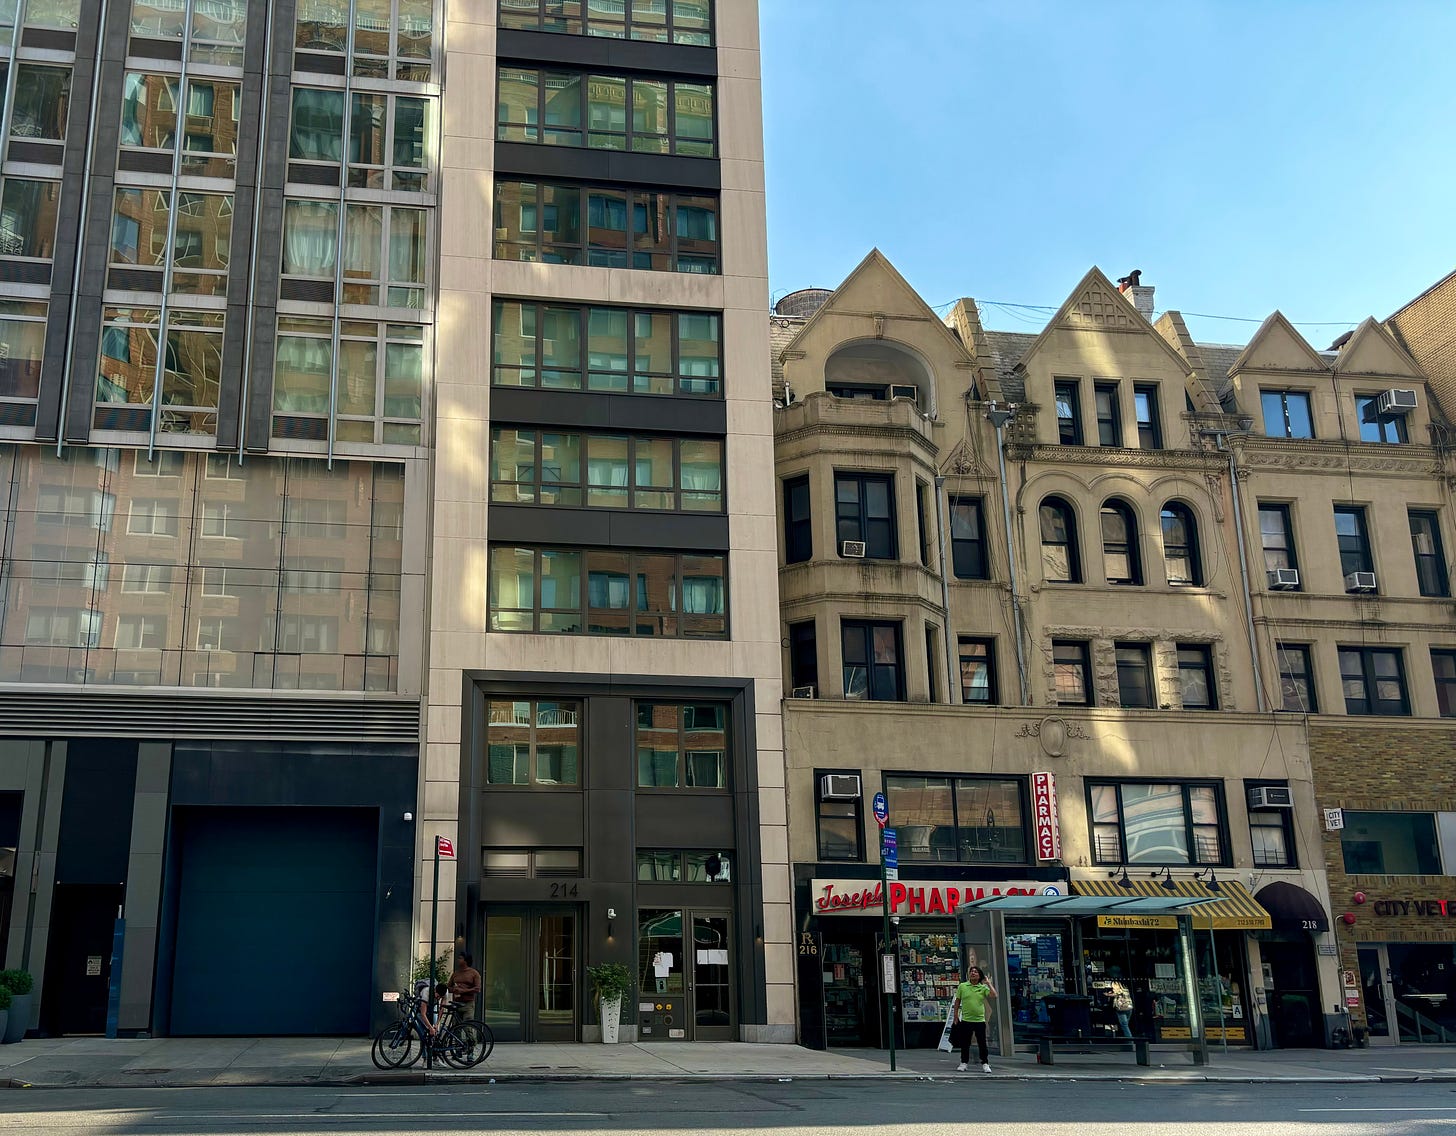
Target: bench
(1046,1041)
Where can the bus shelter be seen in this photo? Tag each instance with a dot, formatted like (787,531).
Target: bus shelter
(1031,946)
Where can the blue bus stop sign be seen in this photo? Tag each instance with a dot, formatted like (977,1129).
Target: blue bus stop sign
(882,809)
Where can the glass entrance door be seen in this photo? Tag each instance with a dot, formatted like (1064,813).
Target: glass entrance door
(1373,983)
(529,977)
(685,974)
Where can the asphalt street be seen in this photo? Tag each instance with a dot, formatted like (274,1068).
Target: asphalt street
(794,1108)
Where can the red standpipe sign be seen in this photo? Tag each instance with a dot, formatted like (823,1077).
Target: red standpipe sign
(1044,812)
(444,848)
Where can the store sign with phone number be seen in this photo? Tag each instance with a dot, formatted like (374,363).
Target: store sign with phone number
(916,897)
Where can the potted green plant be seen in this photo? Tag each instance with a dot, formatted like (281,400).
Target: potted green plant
(5,1000)
(18,984)
(610,982)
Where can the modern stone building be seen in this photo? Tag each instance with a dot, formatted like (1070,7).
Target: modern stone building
(1173,611)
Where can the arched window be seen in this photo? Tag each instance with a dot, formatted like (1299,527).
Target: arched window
(1180,545)
(1059,561)
(1121,563)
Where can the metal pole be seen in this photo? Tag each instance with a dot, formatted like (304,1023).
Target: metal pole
(999,416)
(1217,981)
(1244,573)
(889,993)
(434,917)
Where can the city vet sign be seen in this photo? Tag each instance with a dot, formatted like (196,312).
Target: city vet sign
(1044,812)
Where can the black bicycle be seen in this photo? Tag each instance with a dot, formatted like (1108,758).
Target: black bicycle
(459,1043)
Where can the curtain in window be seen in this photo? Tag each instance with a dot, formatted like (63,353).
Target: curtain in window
(317,131)
(702,595)
(310,236)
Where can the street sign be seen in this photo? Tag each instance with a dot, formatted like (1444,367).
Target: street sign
(892,874)
(889,849)
(444,848)
(882,809)
(887,973)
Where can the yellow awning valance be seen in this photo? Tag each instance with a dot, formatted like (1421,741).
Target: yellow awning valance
(1235,909)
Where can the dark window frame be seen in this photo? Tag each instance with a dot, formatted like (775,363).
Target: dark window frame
(1060,507)
(1356,554)
(1150,429)
(1188,551)
(683,749)
(1286,423)
(1068,392)
(1194,860)
(1384,424)
(956,780)
(1200,659)
(1369,703)
(988,657)
(861,520)
(932,671)
(854,813)
(1445,683)
(637,204)
(1288,552)
(1432,578)
(865,630)
(804,654)
(1109,425)
(1282,819)
(582,25)
(969,552)
(1135,665)
(798,529)
(533,783)
(1083,651)
(1290,678)
(1128,547)
(922,526)
(1353,818)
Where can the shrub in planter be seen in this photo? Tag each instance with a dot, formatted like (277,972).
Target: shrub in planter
(5,998)
(17,981)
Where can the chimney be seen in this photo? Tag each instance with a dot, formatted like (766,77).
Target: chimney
(1139,293)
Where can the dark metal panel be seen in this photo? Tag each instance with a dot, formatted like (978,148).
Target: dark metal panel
(684,820)
(526,159)
(665,413)
(532,818)
(605,528)
(598,51)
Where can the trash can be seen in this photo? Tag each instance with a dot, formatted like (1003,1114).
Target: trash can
(1069,1015)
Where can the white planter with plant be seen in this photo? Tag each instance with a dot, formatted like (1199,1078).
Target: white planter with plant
(610,982)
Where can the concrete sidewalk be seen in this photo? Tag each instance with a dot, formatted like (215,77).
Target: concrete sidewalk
(191,1062)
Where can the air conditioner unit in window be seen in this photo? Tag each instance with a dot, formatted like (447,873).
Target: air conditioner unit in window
(804,692)
(839,787)
(1360,582)
(1271,797)
(1395,402)
(854,549)
(1284,579)
(910,392)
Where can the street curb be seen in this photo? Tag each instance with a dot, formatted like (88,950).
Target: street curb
(358,1080)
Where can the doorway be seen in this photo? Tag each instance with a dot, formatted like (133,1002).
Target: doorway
(529,975)
(1375,992)
(686,977)
(78,963)
(1295,1015)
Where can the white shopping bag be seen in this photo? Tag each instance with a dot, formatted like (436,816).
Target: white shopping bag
(945,1046)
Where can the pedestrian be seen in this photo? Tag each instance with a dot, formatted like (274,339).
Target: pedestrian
(1121,1006)
(465,984)
(970,1017)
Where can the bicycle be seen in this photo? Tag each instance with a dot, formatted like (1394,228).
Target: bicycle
(459,1043)
(473,1032)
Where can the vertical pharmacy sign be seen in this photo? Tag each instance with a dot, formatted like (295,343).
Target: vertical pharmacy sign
(1044,814)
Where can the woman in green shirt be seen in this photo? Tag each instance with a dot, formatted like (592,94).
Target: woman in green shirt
(970,1016)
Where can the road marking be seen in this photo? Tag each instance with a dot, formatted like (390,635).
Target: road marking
(1392,1108)
(354,1115)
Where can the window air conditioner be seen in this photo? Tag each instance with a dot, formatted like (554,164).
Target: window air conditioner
(910,392)
(1271,797)
(1284,579)
(1360,582)
(804,692)
(839,787)
(1395,402)
(854,549)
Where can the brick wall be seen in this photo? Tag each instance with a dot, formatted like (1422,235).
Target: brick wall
(1427,329)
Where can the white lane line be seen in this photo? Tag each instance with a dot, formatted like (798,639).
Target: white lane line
(354,1115)
(1392,1108)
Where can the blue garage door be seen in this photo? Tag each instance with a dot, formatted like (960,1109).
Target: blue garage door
(275,921)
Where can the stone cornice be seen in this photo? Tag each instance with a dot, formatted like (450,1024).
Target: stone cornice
(830,430)
(1314,455)
(1114,457)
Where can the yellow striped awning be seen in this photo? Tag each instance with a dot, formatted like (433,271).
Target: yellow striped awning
(1235,909)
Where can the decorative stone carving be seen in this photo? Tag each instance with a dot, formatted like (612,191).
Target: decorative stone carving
(1053,733)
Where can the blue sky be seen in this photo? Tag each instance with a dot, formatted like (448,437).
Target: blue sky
(1245,156)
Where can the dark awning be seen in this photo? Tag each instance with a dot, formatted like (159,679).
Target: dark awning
(1292,908)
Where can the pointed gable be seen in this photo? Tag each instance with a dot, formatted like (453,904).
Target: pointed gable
(1276,346)
(1372,350)
(1096,305)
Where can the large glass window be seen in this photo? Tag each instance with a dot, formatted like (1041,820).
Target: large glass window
(1296,679)
(606,470)
(1072,667)
(1157,823)
(615,350)
(659,21)
(874,667)
(42,103)
(1354,541)
(1060,562)
(378,392)
(864,511)
(28,211)
(1443,666)
(385,250)
(1195,677)
(135,353)
(1271,832)
(1135,676)
(803,658)
(1377,427)
(1276,534)
(1181,561)
(599,592)
(215,29)
(393,39)
(1286,414)
(606,228)
(156,116)
(568,108)
(798,524)
(389,143)
(533,742)
(1149,424)
(968,820)
(1374,681)
(22,352)
(1430,556)
(968,539)
(978,671)
(1109,414)
(1390,844)
(1121,563)
(682,746)
(1069,411)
